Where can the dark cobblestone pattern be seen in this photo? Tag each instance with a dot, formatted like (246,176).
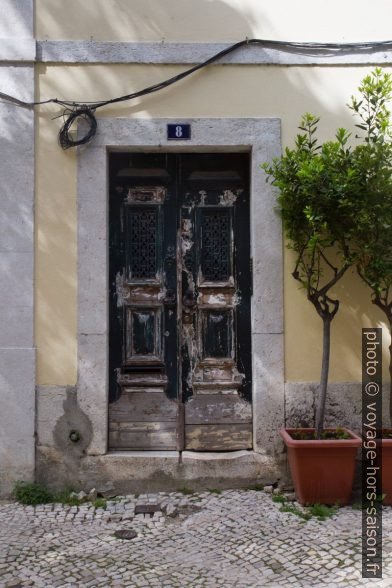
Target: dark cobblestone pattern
(236,538)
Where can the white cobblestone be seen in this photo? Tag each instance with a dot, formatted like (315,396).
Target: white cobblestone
(237,538)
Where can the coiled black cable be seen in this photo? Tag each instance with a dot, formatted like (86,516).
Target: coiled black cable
(84,114)
(74,110)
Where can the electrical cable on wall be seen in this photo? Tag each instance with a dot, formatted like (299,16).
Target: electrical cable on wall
(75,111)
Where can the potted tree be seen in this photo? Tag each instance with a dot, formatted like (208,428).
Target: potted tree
(372,216)
(316,184)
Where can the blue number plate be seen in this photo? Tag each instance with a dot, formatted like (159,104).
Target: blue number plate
(178,132)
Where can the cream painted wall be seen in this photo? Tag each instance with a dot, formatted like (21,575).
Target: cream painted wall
(232,91)
(213,20)
(55,261)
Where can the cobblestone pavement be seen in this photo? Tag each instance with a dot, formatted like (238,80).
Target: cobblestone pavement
(235,538)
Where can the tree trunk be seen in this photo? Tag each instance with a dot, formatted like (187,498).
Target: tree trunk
(324,377)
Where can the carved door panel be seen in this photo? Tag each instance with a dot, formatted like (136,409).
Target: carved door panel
(143,382)
(180,286)
(215,289)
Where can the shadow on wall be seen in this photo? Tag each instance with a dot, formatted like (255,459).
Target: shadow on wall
(16,19)
(358,312)
(144,20)
(56,264)
(210,20)
(218,91)
(16,227)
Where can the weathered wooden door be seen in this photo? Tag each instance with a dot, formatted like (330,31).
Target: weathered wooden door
(180,287)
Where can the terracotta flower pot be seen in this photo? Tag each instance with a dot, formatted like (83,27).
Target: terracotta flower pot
(386,470)
(322,469)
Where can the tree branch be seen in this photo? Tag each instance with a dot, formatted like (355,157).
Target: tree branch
(333,268)
(335,279)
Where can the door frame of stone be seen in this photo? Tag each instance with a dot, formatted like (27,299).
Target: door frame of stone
(260,137)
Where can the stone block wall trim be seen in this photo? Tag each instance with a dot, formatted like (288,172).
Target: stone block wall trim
(61,463)
(343,408)
(17,352)
(259,136)
(15,50)
(122,471)
(26,49)
(17,19)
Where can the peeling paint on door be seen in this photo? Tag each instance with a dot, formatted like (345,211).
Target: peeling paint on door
(228,198)
(182,300)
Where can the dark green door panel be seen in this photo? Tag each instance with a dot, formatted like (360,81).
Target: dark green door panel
(180,288)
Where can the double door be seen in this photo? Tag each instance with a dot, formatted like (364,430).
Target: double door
(180,287)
